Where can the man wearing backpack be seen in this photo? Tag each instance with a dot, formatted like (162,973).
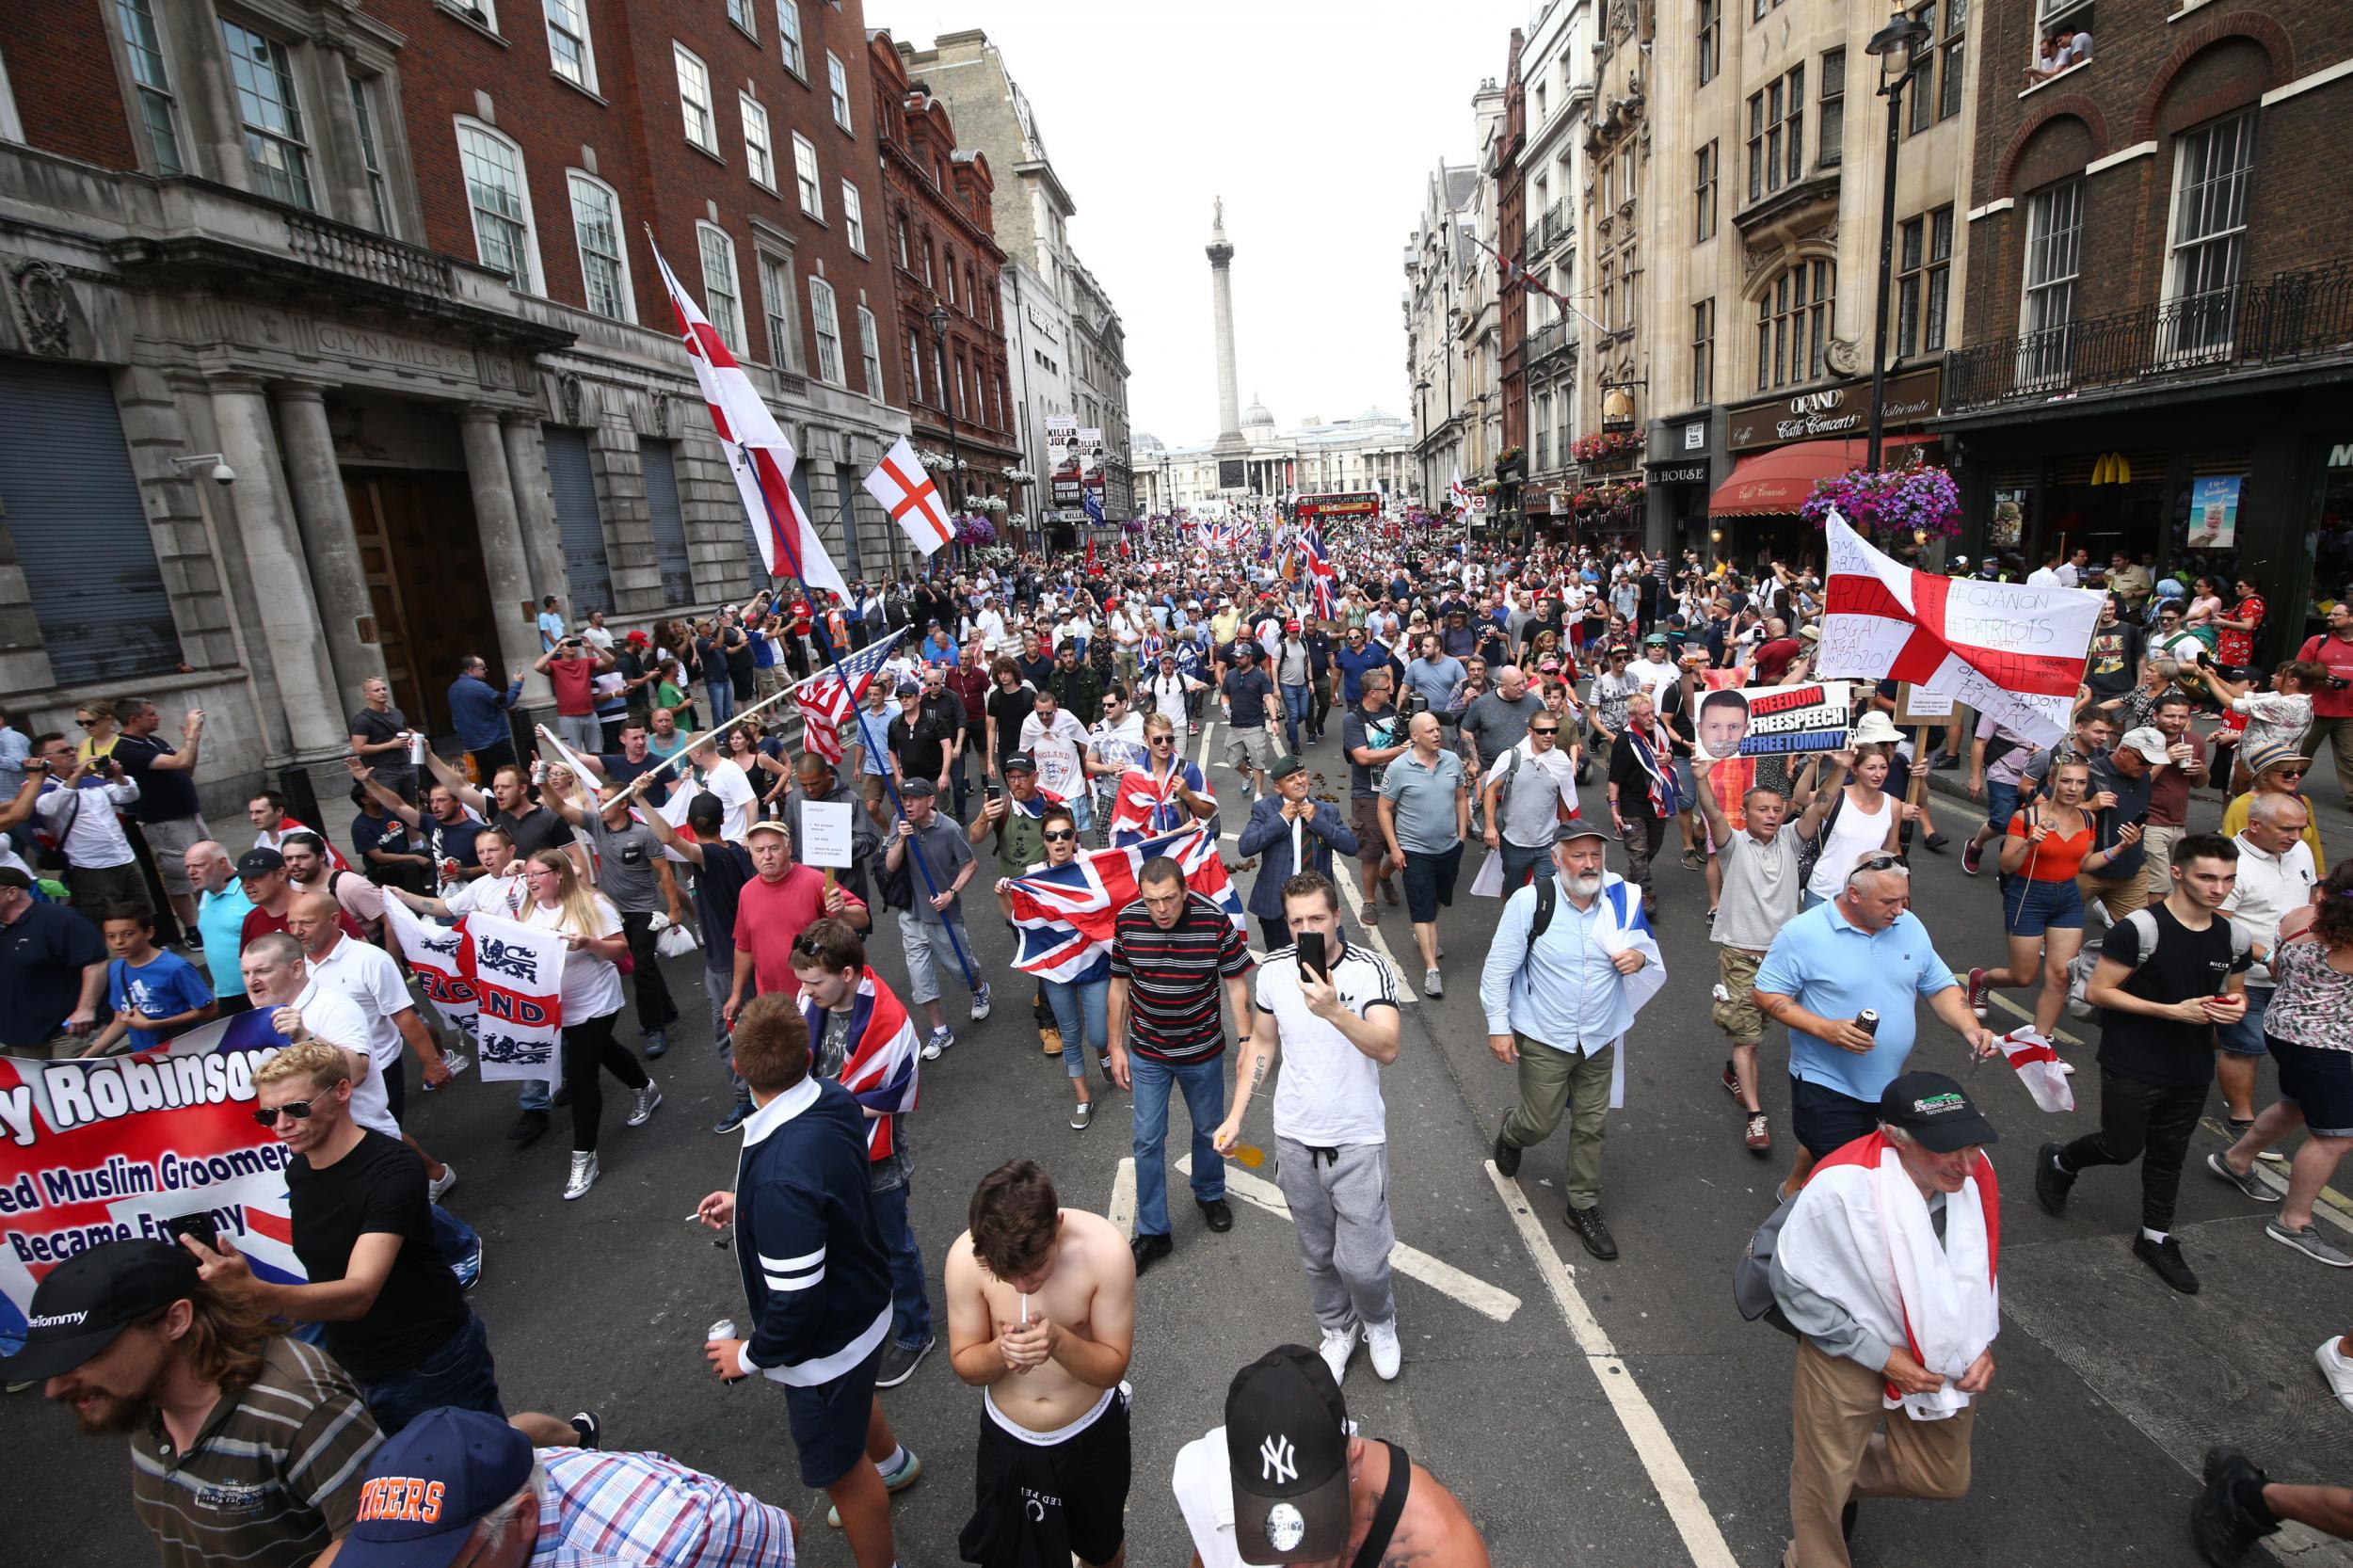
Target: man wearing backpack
(1572,963)
(1529,791)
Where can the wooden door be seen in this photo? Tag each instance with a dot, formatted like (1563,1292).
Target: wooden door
(422,560)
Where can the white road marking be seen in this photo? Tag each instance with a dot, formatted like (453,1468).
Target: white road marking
(1123,1209)
(1347,885)
(1673,1478)
(1209,729)
(1488,1300)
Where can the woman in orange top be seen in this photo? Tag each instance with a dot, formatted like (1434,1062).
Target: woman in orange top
(2042,912)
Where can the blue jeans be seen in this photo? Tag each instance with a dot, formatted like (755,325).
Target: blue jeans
(722,700)
(715,985)
(911,1314)
(1204,1086)
(1296,702)
(452,1237)
(458,1372)
(1081,1014)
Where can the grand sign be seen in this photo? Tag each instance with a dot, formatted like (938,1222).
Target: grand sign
(1840,411)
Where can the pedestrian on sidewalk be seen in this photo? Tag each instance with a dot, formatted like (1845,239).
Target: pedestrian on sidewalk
(1331,1013)
(1885,1267)
(1573,961)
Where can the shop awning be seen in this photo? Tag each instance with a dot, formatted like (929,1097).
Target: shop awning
(1776,483)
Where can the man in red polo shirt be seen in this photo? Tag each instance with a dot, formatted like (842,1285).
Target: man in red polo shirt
(572,667)
(2332,701)
(774,909)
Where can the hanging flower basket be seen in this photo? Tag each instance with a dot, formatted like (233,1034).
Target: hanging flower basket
(975,530)
(1601,448)
(1889,501)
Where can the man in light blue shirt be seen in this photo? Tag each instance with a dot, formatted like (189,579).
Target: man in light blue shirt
(552,630)
(221,907)
(1559,1001)
(1862,951)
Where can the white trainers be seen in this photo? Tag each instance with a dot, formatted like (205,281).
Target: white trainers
(979,1003)
(1335,1351)
(435,1187)
(942,1040)
(2338,1369)
(1432,983)
(642,1103)
(584,1175)
(1387,1356)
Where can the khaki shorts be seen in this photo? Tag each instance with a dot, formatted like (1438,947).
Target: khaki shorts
(1737,1013)
(1365,816)
(170,842)
(1246,749)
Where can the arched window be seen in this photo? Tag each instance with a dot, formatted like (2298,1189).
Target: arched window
(1794,316)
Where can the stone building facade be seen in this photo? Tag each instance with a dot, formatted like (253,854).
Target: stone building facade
(1375,452)
(1440,259)
(390,269)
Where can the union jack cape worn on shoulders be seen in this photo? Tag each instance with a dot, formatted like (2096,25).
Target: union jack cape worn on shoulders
(879,1068)
(1064,916)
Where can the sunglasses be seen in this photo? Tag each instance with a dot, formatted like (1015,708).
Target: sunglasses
(1060,835)
(1163,740)
(85,719)
(299,1109)
(1876,863)
(1544,730)
(2289,773)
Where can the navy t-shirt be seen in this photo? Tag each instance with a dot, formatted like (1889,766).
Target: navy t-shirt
(1248,691)
(620,772)
(41,959)
(453,841)
(166,794)
(718,886)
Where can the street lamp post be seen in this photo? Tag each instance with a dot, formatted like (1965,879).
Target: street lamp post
(1898,43)
(937,317)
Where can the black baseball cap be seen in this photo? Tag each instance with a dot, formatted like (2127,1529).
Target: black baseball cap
(1937,1112)
(1020,761)
(918,787)
(80,1305)
(705,812)
(1582,827)
(259,863)
(1287,1451)
(429,1484)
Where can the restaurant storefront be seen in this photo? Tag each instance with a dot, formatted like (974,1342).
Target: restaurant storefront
(1781,447)
(1685,452)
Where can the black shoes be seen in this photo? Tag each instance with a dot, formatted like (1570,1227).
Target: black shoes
(2051,1184)
(2165,1258)
(527,1127)
(733,1119)
(1507,1157)
(1218,1215)
(591,1428)
(1149,1249)
(2221,1523)
(899,1361)
(1590,1229)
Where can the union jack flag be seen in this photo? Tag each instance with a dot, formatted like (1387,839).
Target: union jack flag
(828,702)
(1064,916)
(1320,570)
(1143,807)
(879,1068)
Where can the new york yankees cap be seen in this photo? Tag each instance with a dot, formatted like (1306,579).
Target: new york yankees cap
(1287,1450)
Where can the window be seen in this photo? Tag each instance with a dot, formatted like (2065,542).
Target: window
(1777,134)
(971,291)
(759,155)
(2054,227)
(838,88)
(694,100)
(1540,102)
(805,168)
(1831,135)
(157,112)
(1704,184)
(740,13)
(870,353)
(1922,282)
(12,123)
(2207,251)
(1954,46)
(915,371)
(569,48)
(723,297)
(776,299)
(1923,84)
(828,328)
(1702,353)
(788,31)
(1711,40)
(603,257)
(948,269)
(959,386)
(903,242)
(929,257)
(494,167)
(379,198)
(1793,324)
(275,152)
(854,216)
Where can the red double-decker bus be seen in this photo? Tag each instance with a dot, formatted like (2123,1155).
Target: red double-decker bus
(1358,505)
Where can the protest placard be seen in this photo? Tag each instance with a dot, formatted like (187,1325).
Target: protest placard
(825,832)
(517,975)
(113,1148)
(1765,721)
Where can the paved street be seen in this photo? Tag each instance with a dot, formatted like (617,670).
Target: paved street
(1615,1413)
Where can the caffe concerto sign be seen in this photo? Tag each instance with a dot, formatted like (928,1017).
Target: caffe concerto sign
(1840,411)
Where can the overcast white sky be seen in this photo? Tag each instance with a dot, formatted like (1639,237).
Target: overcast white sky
(1320,122)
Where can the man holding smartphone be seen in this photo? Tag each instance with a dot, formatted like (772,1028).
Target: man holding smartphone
(1334,1010)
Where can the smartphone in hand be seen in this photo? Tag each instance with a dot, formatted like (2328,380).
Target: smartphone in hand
(200,1225)
(1313,960)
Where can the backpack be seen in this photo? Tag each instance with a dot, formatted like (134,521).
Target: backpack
(897,887)
(1752,1275)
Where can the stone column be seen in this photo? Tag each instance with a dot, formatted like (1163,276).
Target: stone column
(1221,253)
(535,510)
(505,562)
(281,575)
(329,542)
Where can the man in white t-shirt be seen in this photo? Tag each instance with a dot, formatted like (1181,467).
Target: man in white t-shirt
(718,776)
(303,1007)
(1054,737)
(1337,1030)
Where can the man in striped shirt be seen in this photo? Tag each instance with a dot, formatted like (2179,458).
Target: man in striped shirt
(1170,950)
(246,1447)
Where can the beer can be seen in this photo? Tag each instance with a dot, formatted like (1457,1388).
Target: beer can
(1868,1020)
(416,749)
(723,1329)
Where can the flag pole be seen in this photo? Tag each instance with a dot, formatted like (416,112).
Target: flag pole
(866,738)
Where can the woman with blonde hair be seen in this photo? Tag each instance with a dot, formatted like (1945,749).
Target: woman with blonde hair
(591,991)
(2044,845)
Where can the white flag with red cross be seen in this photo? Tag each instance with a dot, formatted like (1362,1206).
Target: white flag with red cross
(2011,651)
(758,454)
(907,493)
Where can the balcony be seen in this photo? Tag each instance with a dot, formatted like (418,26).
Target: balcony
(1556,226)
(1546,342)
(2291,318)
(358,253)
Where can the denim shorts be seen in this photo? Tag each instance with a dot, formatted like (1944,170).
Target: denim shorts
(2001,803)
(2320,1082)
(2245,1037)
(2030,907)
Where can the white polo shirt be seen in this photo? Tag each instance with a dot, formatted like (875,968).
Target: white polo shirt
(334,1017)
(1204,1495)
(2269,888)
(1329,1094)
(371,979)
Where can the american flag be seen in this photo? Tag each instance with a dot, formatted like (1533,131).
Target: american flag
(827,703)
(1064,917)
(879,1067)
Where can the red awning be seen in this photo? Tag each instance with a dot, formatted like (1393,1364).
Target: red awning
(1776,483)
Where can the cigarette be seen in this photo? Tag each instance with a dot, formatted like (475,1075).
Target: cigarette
(1025,1310)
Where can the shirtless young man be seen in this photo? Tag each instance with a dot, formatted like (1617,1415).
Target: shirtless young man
(1042,1317)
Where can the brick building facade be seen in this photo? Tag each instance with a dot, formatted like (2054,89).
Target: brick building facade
(392,269)
(2160,296)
